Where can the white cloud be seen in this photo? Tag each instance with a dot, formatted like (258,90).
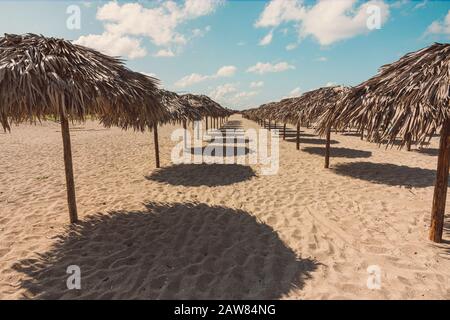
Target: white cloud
(245,94)
(328,21)
(165,53)
(399,3)
(226,71)
(159,23)
(256,84)
(421,5)
(330,84)
(198,33)
(291,46)
(440,27)
(267,39)
(87,4)
(223,90)
(193,78)
(279,11)
(150,74)
(322,59)
(294,93)
(261,68)
(228,94)
(190,80)
(113,45)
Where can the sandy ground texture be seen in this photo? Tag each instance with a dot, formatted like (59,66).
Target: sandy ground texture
(220,231)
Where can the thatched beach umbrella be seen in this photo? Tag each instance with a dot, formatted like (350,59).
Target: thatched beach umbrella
(41,77)
(286,112)
(408,99)
(314,103)
(206,106)
(177,110)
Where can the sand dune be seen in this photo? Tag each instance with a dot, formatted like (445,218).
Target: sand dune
(216,231)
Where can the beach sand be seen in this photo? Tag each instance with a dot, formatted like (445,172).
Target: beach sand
(217,231)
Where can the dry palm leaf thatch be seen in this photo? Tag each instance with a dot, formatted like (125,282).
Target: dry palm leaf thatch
(285,112)
(42,77)
(205,105)
(408,98)
(250,114)
(312,104)
(178,110)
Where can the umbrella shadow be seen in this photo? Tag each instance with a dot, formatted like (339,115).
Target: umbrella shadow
(227,150)
(428,151)
(316,141)
(388,174)
(168,251)
(339,152)
(294,136)
(351,134)
(195,175)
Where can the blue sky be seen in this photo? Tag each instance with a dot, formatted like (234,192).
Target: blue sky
(242,53)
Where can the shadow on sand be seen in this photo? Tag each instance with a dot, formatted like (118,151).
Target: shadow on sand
(388,174)
(168,251)
(227,150)
(339,152)
(314,141)
(428,151)
(195,175)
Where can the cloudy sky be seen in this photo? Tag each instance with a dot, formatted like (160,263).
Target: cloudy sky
(241,53)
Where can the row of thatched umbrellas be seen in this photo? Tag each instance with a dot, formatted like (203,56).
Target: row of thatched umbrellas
(44,77)
(407,100)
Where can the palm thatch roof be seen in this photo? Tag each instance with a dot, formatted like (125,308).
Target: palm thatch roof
(177,108)
(310,105)
(408,98)
(205,105)
(306,108)
(42,76)
(285,111)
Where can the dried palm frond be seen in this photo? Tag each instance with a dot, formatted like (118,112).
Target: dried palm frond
(178,110)
(42,77)
(408,98)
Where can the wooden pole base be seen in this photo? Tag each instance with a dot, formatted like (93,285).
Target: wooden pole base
(298,137)
(68,165)
(155,139)
(327,149)
(440,187)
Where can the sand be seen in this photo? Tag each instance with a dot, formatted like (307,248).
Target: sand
(218,231)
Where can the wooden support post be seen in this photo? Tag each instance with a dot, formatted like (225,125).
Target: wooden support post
(440,187)
(327,149)
(68,165)
(155,139)
(362,133)
(298,136)
(408,142)
(206,126)
(269,124)
(185,135)
(284,131)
